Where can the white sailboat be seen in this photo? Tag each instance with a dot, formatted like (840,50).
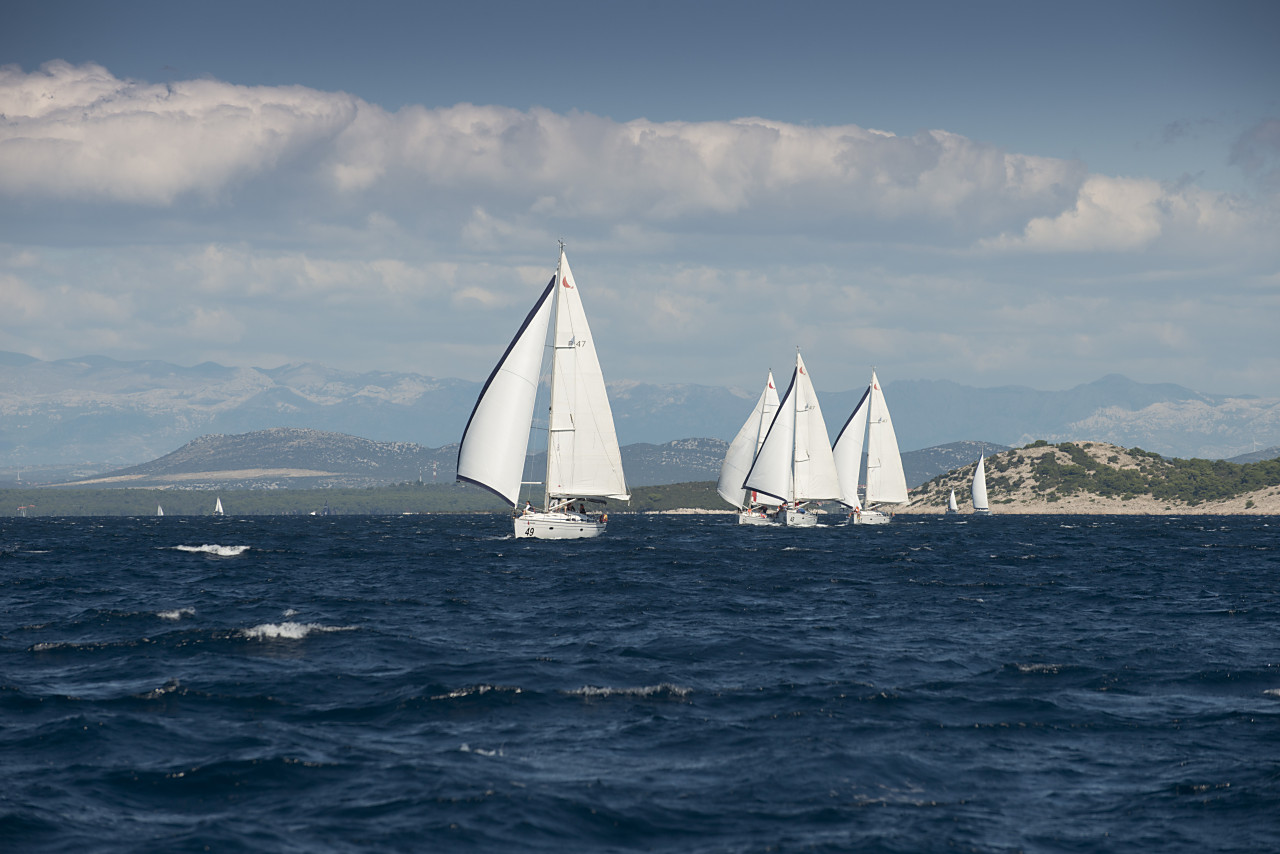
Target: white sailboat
(886,482)
(952,507)
(583,459)
(794,464)
(159,510)
(217,508)
(752,506)
(980,487)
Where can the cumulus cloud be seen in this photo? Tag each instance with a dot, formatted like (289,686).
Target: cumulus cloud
(79,133)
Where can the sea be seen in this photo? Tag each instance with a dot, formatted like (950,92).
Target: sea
(682,684)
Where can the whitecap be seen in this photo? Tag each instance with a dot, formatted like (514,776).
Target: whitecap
(1272,692)
(1039,668)
(176,613)
(289,631)
(479,751)
(475,691)
(214,549)
(289,612)
(662,689)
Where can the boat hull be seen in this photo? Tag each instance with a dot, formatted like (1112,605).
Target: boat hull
(871,517)
(748,518)
(558,526)
(793,518)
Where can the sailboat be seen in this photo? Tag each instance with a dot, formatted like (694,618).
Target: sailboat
(886,483)
(584,462)
(752,506)
(952,507)
(980,487)
(159,510)
(794,464)
(217,508)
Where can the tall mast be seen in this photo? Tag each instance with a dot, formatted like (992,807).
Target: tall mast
(555,328)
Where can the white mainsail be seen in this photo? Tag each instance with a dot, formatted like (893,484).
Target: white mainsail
(217,508)
(886,482)
(952,506)
(159,510)
(496,438)
(583,458)
(795,463)
(980,486)
(744,447)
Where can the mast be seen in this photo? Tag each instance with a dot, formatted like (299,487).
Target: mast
(555,324)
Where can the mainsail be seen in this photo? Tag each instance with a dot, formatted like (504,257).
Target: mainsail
(886,482)
(980,485)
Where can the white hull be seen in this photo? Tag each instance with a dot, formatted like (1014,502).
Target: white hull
(799,519)
(981,511)
(558,526)
(748,518)
(870,517)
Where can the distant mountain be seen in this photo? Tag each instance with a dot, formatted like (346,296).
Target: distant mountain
(289,457)
(1257,456)
(100,413)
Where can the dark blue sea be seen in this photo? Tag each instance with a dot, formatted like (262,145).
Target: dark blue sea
(427,683)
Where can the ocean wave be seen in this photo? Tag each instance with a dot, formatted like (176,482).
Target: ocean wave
(214,549)
(664,689)
(1038,668)
(1272,692)
(176,613)
(477,690)
(289,631)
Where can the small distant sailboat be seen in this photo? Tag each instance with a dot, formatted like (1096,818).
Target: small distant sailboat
(794,464)
(952,507)
(159,510)
(752,506)
(886,482)
(584,462)
(980,487)
(217,508)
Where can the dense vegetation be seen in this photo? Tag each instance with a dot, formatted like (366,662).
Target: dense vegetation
(389,500)
(1189,481)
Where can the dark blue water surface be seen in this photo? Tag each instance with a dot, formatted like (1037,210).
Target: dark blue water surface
(682,684)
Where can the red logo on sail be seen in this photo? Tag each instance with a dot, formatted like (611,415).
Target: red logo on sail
(565,282)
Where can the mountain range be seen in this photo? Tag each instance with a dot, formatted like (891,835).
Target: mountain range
(290,457)
(93,414)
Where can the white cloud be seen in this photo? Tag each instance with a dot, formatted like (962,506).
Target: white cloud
(79,132)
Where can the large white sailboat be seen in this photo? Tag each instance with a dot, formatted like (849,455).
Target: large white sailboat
(794,464)
(217,508)
(583,460)
(886,483)
(979,488)
(952,506)
(753,508)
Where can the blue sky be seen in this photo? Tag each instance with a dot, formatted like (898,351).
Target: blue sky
(991,193)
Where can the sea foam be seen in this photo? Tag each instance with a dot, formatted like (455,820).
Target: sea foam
(289,631)
(214,549)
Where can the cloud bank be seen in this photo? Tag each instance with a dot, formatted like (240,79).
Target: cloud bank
(277,224)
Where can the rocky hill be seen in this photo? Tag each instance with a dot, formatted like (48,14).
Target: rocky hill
(1098,477)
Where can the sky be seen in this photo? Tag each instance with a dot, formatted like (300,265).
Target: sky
(990,193)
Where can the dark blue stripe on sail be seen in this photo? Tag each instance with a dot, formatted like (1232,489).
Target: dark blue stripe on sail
(528,319)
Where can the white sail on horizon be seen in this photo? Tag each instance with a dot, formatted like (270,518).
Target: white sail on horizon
(979,488)
(795,462)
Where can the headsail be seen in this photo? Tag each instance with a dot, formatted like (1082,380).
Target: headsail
(770,474)
(492,453)
(744,447)
(847,452)
(815,469)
